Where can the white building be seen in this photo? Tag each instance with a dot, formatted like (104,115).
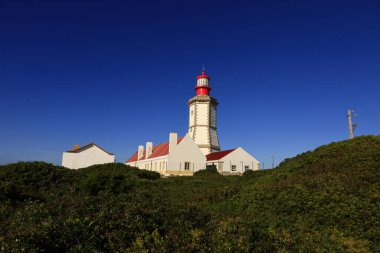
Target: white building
(90,154)
(178,156)
(184,156)
(202,116)
(233,161)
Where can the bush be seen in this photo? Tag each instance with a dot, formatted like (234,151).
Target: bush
(323,200)
(209,171)
(30,180)
(146,174)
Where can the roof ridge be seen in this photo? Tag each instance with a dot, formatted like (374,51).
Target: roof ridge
(158,150)
(84,147)
(219,154)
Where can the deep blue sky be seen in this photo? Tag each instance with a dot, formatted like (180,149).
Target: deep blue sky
(119,73)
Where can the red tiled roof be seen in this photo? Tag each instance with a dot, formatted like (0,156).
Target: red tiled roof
(218,155)
(87,147)
(158,150)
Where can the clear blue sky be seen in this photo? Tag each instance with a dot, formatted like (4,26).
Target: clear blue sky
(119,73)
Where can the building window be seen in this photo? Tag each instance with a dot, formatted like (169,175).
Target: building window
(246,167)
(233,167)
(187,165)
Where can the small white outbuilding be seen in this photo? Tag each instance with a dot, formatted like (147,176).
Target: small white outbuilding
(90,154)
(232,161)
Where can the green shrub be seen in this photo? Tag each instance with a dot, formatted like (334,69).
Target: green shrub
(209,171)
(146,174)
(324,200)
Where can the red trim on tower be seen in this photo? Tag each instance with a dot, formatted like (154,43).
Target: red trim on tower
(202,90)
(203,76)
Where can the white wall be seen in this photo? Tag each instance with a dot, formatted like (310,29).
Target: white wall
(158,164)
(202,124)
(192,116)
(240,158)
(200,130)
(214,138)
(186,151)
(174,162)
(68,160)
(213,115)
(202,113)
(85,158)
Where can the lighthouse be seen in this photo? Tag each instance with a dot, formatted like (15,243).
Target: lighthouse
(202,116)
(199,147)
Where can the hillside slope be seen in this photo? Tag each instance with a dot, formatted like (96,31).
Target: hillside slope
(324,200)
(327,199)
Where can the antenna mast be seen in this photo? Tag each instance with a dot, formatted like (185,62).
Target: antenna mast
(351,126)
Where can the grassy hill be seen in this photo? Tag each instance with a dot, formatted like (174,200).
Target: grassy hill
(324,200)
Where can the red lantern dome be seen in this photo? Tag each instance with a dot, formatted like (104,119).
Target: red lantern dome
(203,87)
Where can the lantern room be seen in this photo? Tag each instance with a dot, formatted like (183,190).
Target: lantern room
(203,87)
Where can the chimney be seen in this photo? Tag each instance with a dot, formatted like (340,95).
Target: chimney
(140,152)
(172,141)
(149,149)
(75,147)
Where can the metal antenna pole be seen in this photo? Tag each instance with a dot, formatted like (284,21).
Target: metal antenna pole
(350,128)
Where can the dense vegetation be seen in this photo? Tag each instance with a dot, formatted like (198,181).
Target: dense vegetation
(324,200)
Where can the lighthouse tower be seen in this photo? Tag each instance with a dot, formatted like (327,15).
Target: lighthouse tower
(202,116)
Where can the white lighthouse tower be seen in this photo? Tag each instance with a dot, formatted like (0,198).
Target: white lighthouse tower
(202,116)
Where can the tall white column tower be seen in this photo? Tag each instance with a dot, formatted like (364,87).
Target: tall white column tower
(202,116)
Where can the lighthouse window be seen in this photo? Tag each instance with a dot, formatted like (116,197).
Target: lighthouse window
(233,167)
(187,165)
(192,112)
